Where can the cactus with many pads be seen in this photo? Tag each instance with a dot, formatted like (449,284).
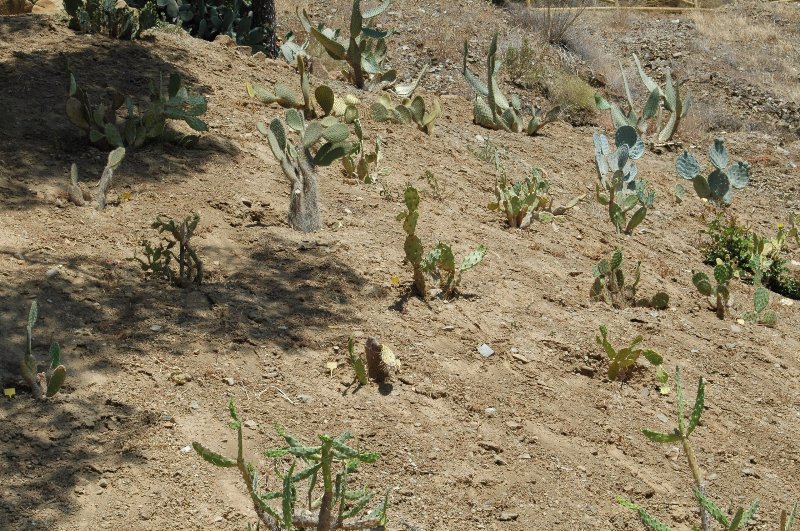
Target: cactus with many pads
(724,178)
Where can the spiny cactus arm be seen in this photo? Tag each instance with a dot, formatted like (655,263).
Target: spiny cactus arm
(334,48)
(647,80)
(627,89)
(647,519)
(473,258)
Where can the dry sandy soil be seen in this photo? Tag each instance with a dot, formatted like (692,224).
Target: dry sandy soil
(108,452)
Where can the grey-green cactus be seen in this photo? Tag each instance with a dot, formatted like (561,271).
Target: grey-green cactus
(327,101)
(659,99)
(408,111)
(618,187)
(109,18)
(724,178)
(79,194)
(358,164)
(141,124)
(526,200)
(365,49)
(610,285)
(48,382)
(491,108)
(720,291)
(299,160)
(439,262)
(332,462)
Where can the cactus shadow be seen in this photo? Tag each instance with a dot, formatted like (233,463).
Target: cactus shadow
(38,144)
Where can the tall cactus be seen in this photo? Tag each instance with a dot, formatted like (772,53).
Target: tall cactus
(364,51)
(491,108)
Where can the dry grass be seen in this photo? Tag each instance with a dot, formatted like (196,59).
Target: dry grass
(552,26)
(571,92)
(765,42)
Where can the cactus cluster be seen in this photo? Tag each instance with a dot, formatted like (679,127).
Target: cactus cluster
(439,262)
(333,462)
(723,273)
(158,260)
(610,285)
(719,185)
(618,187)
(408,111)
(364,50)
(761,314)
(110,18)
(140,125)
(491,108)
(358,164)
(659,99)
(621,361)
(526,200)
(46,383)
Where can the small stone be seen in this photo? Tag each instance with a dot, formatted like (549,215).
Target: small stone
(662,417)
(492,446)
(304,398)
(155,328)
(513,425)
(644,392)
(499,460)
(229,380)
(52,272)
(736,328)
(524,456)
(520,357)
(507,517)
(485,350)
(195,405)
(490,412)
(586,371)
(103,483)
(250,424)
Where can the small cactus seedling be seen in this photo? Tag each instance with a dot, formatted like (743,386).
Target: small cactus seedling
(761,314)
(440,261)
(408,111)
(609,285)
(364,51)
(526,200)
(360,165)
(158,260)
(141,124)
(659,99)
(46,383)
(337,508)
(79,194)
(722,275)
(491,108)
(719,185)
(618,187)
(357,363)
(621,361)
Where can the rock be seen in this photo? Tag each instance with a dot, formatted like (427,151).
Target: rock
(103,483)
(15,7)
(51,272)
(492,446)
(229,380)
(225,40)
(155,328)
(47,7)
(485,350)
(490,412)
(586,371)
(520,357)
(507,516)
(499,460)
(250,424)
(304,398)
(194,405)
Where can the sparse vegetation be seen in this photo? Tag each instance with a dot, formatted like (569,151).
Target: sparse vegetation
(141,124)
(79,194)
(408,111)
(435,187)
(526,200)
(158,260)
(109,18)
(329,466)
(618,188)
(621,362)
(42,383)
(439,262)
(720,291)
(610,285)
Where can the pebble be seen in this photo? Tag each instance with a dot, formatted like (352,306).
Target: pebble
(736,328)
(507,516)
(662,417)
(195,405)
(499,460)
(51,272)
(520,357)
(229,380)
(250,424)
(103,483)
(304,398)
(490,412)
(155,328)
(485,350)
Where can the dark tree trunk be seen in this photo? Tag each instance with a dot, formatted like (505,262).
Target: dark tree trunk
(264,15)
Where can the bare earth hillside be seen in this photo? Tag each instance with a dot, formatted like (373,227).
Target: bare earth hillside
(534,436)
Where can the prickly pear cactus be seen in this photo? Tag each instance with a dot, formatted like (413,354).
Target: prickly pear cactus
(720,291)
(726,176)
(48,382)
(410,110)
(610,285)
(413,245)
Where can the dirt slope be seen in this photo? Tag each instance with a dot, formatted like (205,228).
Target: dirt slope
(277,305)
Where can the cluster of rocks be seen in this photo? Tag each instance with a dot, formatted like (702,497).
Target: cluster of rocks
(21,7)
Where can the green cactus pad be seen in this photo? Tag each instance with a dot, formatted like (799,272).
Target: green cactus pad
(56,380)
(761,299)
(473,258)
(295,120)
(738,174)
(687,166)
(325,97)
(722,273)
(718,154)
(719,184)
(660,301)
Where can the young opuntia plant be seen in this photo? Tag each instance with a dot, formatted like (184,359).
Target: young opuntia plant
(48,382)
(621,361)
(158,260)
(492,109)
(609,285)
(618,188)
(357,363)
(440,262)
(364,51)
(140,125)
(669,96)
(408,111)
(358,164)
(338,507)
(761,314)
(79,195)
(722,275)
(718,186)
(526,200)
